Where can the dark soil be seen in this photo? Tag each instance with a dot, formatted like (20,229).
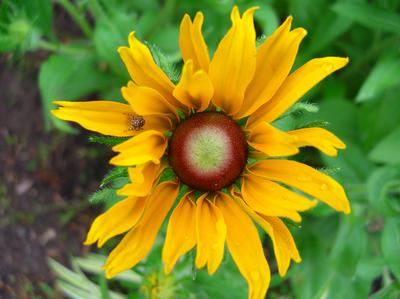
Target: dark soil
(45,178)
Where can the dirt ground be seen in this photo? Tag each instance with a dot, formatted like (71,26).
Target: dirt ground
(45,178)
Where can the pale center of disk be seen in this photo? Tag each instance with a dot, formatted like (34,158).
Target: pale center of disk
(207,149)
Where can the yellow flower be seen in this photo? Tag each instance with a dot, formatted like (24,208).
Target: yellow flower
(209,152)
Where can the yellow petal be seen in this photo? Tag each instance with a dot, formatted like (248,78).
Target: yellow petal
(137,243)
(306,179)
(105,117)
(194,89)
(147,146)
(108,118)
(118,219)
(245,246)
(271,141)
(181,232)
(234,62)
(158,122)
(275,58)
(192,43)
(211,233)
(143,178)
(144,71)
(295,86)
(147,101)
(284,246)
(320,138)
(272,199)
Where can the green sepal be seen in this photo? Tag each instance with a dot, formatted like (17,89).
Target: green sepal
(113,174)
(168,134)
(103,195)
(313,124)
(181,114)
(107,140)
(108,194)
(167,175)
(301,108)
(164,63)
(183,189)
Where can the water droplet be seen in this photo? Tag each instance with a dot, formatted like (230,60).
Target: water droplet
(323,186)
(237,243)
(186,237)
(304,178)
(214,246)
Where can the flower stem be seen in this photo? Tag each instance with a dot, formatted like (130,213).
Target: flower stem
(53,47)
(77,17)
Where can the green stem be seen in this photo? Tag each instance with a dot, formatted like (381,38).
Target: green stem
(45,45)
(77,17)
(49,46)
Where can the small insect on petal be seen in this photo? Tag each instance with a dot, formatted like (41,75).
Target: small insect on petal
(136,122)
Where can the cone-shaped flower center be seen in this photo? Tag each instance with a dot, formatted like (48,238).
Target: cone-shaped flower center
(208,151)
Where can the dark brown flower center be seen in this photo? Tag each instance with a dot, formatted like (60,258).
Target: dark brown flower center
(208,151)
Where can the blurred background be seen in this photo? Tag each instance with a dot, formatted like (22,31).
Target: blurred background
(65,49)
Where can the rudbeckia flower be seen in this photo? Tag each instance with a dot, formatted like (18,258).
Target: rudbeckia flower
(214,129)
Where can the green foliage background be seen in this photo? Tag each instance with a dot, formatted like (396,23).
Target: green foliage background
(355,256)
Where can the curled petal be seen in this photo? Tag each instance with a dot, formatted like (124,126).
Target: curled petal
(195,89)
(245,246)
(271,141)
(118,219)
(147,146)
(143,178)
(275,58)
(304,178)
(147,101)
(138,241)
(234,62)
(295,86)
(192,44)
(144,71)
(272,199)
(181,232)
(319,138)
(211,233)
(105,117)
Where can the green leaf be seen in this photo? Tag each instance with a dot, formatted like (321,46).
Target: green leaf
(329,28)
(383,76)
(67,77)
(92,263)
(111,32)
(76,285)
(388,149)
(226,283)
(390,244)
(267,17)
(369,15)
(352,165)
(345,254)
(391,291)
(381,187)
(384,114)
